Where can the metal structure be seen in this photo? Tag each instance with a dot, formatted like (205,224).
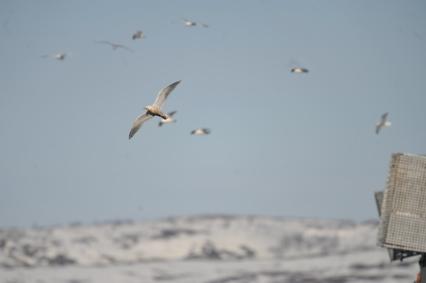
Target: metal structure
(394,254)
(402,209)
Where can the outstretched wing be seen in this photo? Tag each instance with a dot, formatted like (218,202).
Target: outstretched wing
(385,116)
(103,42)
(138,123)
(123,46)
(170,114)
(206,131)
(164,93)
(113,45)
(378,127)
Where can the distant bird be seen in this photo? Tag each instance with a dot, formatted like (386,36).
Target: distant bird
(383,123)
(154,109)
(299,70)
(168,120)
(200,132)
(58,56)
(189,23)
(114,46)
(138,34)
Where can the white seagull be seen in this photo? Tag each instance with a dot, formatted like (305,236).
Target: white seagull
(114,46)
(154,109)
(383,123)
(138,34)
(200,132)
(168,120)
(58,56)
(299,70)
(189,23)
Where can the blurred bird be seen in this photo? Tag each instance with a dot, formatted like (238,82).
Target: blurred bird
(383,123)
(200,132)
(114,46)
(189,23)
(299,70)
(138,34)
(154,109)
(168,120)
(58,56)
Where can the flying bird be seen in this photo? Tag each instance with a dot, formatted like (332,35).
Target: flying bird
(200,132)
(168,120)
(189,23)
(138,34)
(114,46)
(383,123)
(299,70)
(58,56)
(154,109)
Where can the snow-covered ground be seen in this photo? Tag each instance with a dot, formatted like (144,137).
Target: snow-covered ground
(210,249)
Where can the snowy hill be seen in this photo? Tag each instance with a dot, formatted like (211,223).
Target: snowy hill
(264,243)
(209,237)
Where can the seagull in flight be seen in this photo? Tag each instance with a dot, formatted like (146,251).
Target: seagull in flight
(189,23)
(200,132)
(168,120)
(114,46)
(154,109)
(58,56)
(383,123)
(138,34)
(299,70)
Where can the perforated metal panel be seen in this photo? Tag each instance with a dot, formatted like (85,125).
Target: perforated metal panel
(403,212)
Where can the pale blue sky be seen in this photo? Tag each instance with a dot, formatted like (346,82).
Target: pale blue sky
(281,144)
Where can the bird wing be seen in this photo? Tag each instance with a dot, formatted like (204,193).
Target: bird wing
(378,127)
(138,123)
(170,114)
(104,42)
(114,45)
(164,93)
(385,116)
(206,131)
(124,47)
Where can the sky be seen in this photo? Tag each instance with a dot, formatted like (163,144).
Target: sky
(281,144)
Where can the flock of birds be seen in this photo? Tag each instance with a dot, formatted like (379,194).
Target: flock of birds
(155,108)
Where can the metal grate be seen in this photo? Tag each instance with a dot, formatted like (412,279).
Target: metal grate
(403,219)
